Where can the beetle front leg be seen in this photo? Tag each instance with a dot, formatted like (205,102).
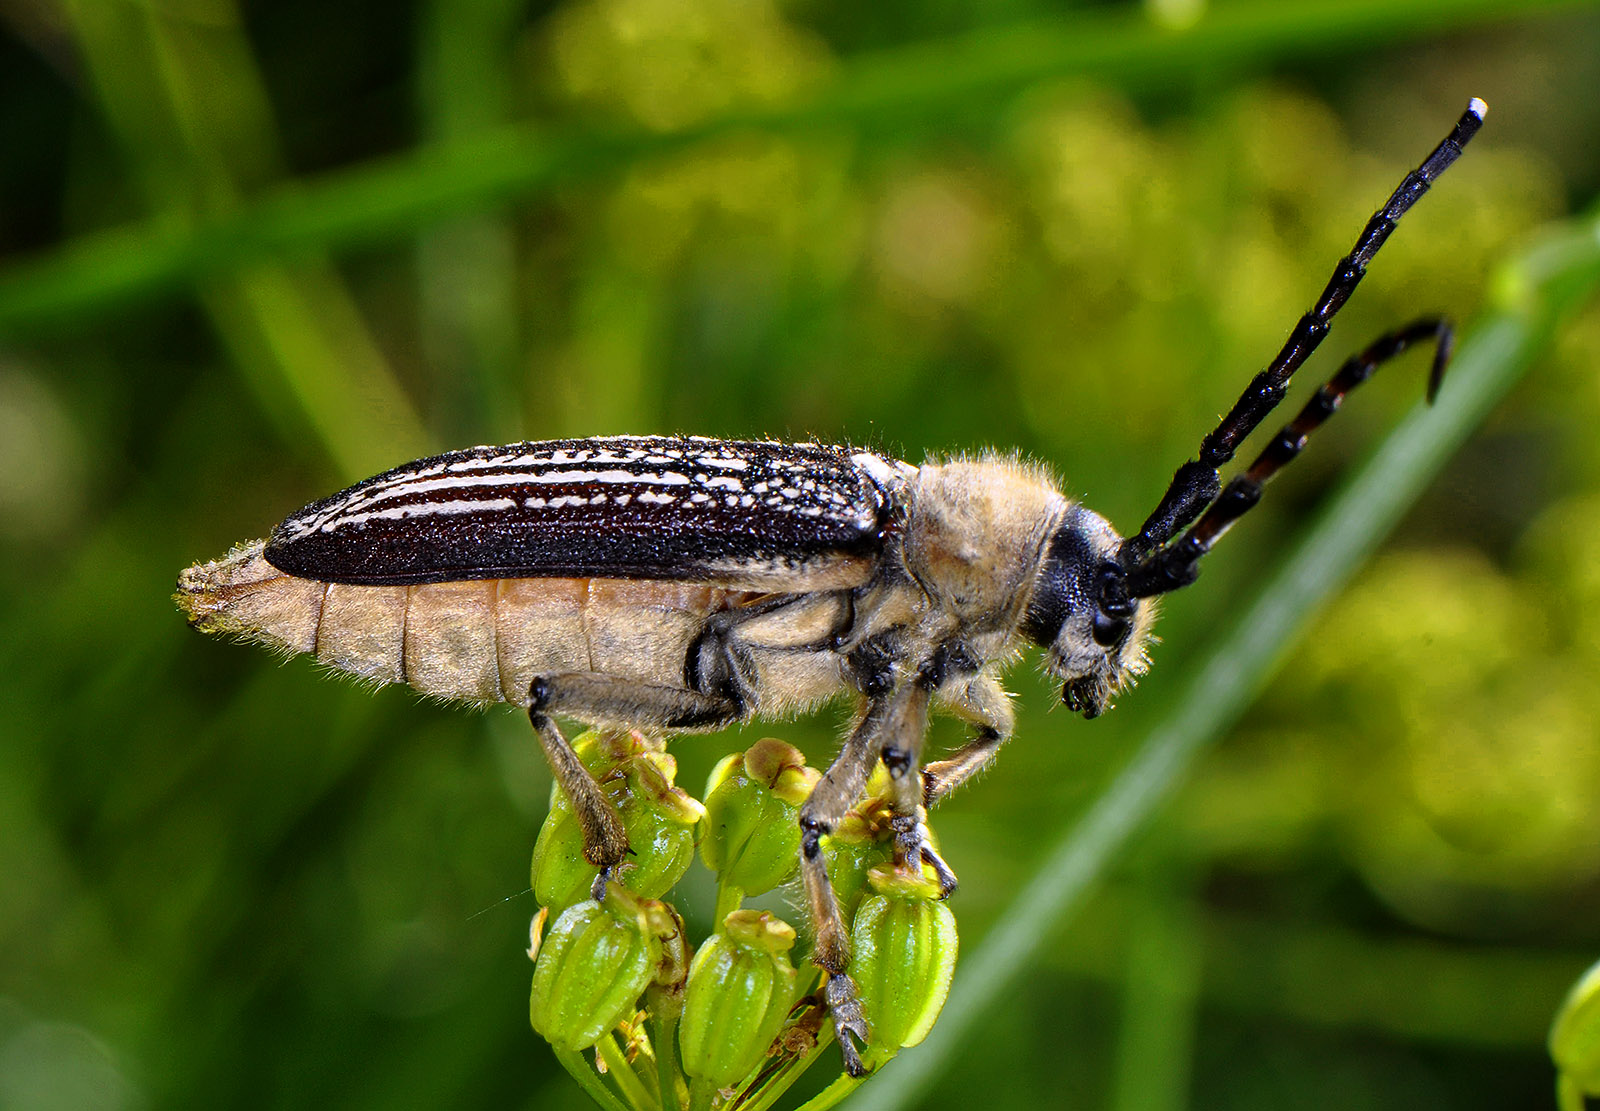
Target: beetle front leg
(601,698)
(984,703)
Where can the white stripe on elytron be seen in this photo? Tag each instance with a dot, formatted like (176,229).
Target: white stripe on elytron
(428,509)
(355,508)
(403,488)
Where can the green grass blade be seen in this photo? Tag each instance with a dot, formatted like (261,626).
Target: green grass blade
(1538,291)
(391,198)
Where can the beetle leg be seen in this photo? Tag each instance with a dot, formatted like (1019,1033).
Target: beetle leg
(902,759)
(984,703)
(979,698)
(887,717)
(721,660)
(604,699)
(605,841)
(601,698)
(913,848)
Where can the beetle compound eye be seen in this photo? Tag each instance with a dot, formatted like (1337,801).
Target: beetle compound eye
(1110,631)
(1114,613)
(1114,600)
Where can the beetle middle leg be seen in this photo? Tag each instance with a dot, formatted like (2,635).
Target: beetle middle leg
(602,698)
(886,719)
(979,699)
(839,788)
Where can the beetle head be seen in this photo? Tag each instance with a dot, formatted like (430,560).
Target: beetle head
(1094,634)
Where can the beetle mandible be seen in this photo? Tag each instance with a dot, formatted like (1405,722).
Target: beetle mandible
(682,584)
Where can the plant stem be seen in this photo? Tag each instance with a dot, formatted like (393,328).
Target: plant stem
(729,898)
(622,1074)
(783,1079)
(842,1086)
(665,1025)
(701,1094)
(580,1070)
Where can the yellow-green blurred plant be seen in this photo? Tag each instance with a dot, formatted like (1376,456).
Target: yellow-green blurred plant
(1575,1044)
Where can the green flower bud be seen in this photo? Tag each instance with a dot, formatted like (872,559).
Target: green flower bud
(661,821)
(752,808)
(860,842)
(904,942)
(741,986)
(592,966)
(1575,1037)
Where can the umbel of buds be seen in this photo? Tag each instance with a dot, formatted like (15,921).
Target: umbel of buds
(1575,1044)
(734,1021)
(752,808)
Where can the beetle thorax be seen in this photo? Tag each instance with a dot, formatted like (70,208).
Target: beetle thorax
(975,534)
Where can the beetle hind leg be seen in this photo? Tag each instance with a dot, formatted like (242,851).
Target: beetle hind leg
(628,703)
(604,699)
(605,840)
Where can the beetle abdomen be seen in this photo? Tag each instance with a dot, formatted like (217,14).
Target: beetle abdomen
(480,640)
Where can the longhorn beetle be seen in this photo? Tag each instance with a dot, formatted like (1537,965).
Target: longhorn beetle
(682,584)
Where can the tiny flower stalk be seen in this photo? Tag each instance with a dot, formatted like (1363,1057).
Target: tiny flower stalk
(592,966)
(664,1002)
(1575,1044)
(661,820)
(752,819)
(741,986)
(904,942)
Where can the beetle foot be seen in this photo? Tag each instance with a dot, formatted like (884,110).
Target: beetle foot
(849,1020)
(913,848)
(607,875)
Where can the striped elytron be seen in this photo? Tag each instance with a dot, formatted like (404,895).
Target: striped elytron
(679,584)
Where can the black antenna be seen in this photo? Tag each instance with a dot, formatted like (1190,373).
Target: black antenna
(1196,485)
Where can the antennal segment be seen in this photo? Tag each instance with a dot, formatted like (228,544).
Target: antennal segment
(1174,565)
(1196,484)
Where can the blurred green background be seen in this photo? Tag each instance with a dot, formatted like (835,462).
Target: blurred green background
(254,251)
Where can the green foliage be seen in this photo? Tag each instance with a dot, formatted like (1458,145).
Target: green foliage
(250,254)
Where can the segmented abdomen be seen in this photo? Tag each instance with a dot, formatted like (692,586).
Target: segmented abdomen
(481,641)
